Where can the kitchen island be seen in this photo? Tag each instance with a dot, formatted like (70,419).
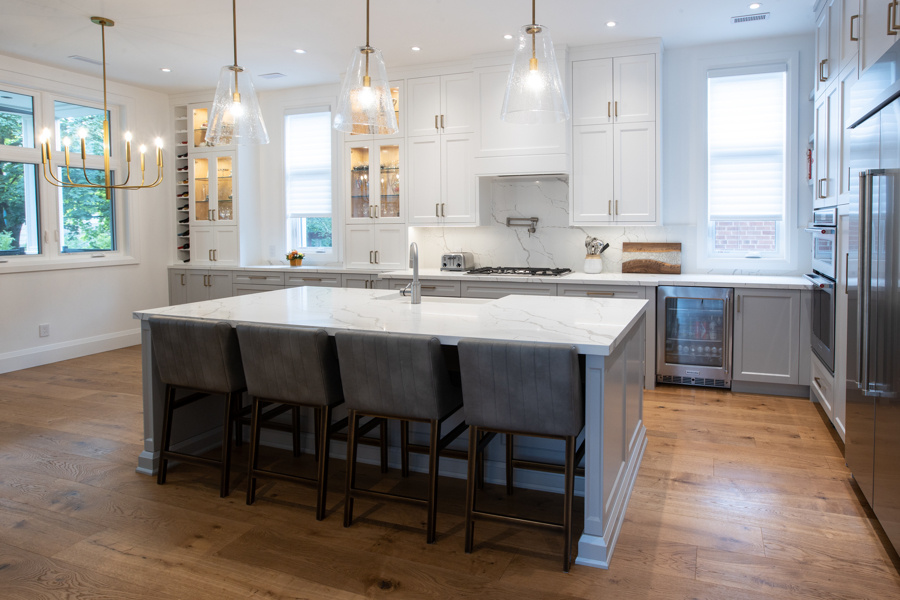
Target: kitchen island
(609,333)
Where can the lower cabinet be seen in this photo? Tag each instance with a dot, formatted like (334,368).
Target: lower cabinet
(376,246)
(498,289)
(214,245)
(430,287)
(177,286)
(312,279)
(363,281)
(245,289)
(203,284)
(767,332)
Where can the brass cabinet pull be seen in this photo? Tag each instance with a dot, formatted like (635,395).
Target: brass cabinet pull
(209,215)
(853,18)
(371,254)
(822,64)
(442,121)
(209,254)
(436,213)
(377,211)
(256,277)
(818,382)
(608,110)
(738,304)
(213,211)
(442,210)
(436,122)
(607,294)
(609,208)
(205,282)
(892,9)
(894,25)
(310,279)
(617,109)
(429,287)
(182,279)
(376,257)
(821,194)
(846,272)
(617,208)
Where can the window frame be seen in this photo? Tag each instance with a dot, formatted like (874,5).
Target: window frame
(313,257)
(51,256)
(787,258)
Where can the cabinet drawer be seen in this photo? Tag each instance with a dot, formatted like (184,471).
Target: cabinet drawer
(491,289)
(600,291)
(430,287)
(821,386)
(259,277)
(312,279)
(243,289)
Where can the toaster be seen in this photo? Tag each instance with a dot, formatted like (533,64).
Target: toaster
(458,261)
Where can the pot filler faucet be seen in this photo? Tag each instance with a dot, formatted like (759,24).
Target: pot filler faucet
(414,288)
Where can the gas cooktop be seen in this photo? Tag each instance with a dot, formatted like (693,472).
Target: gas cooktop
(530,271)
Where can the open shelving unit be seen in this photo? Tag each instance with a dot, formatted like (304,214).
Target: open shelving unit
(181,192)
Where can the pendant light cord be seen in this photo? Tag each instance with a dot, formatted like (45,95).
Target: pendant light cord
(234,29)
(367,38)
(533,28)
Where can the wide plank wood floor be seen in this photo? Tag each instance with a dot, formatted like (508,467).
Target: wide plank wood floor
(739,497)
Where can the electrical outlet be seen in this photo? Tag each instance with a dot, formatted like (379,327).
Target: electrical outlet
(44,330)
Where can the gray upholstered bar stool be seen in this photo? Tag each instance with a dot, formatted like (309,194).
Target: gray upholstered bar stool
(297,367)
(204,357)
(397,376)
(527,389)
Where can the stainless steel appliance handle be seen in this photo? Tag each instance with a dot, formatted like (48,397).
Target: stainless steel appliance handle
(821,230)
(863,278)
(819,282)
(727,332)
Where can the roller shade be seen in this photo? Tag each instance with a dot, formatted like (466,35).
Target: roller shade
(307,158)
(747,138)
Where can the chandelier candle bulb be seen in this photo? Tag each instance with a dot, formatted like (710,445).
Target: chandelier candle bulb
(128,146)
(143,149)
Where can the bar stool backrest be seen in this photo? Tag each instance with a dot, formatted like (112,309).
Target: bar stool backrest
(197,354)
(290,364)
(522,387)
(392,374)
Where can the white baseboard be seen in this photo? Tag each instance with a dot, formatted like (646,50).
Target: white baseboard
(43,355)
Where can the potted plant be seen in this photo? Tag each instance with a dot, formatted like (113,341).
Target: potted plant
(295,257)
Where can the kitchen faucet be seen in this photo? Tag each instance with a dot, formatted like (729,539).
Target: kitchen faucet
(414,289)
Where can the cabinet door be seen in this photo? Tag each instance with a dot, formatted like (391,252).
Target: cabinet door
(424,179)
(457,103)
(876,31)
(201,210)
(389,197)
(634,174)
(423,102)
(390,247)
(821,124)
(847,179)
(177,286)
(840,326)
(634,88)
(850,29)
(457,180)
(823,41)
(312,279)
(358,154)
(767,336)
(356,280)
(197,288)
(360,246)
(198,117)
(592,92)
(202,244)
(223,211)
(225,251)
(220,285)
(592,178)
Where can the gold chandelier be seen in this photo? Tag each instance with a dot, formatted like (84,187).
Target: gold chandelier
(46,139)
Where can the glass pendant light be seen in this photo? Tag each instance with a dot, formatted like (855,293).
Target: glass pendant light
(236,117)
(365,104)
(534,92)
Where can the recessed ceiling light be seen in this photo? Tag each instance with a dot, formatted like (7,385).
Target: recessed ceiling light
(755,5)
(272,75)
(415,48)
(166,70)
(507,37)
(299,50)
(610,23)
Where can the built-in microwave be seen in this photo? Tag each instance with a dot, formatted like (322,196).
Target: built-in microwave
(824,241)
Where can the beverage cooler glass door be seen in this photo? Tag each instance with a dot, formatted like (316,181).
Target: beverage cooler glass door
(694,336)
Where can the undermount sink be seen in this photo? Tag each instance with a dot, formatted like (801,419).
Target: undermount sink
(399,299)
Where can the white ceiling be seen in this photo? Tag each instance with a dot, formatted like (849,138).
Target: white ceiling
(194,37)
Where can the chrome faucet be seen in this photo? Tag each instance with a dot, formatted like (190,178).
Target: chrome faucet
(414,289)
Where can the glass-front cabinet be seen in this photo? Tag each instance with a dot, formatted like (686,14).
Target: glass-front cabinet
(199,119)
(374,186)
(213,210)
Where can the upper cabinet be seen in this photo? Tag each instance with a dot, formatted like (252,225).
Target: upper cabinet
(614,90)
(441,104)
(880,24)
(375,193)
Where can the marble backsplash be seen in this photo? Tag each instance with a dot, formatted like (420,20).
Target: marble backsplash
(555,243)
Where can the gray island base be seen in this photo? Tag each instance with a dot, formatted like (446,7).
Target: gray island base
(608,332)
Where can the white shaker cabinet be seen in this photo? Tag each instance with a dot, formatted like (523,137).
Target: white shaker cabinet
(878,30)
(614,90)
(767,331)
(440,104)
(828,138)
(440,180)
(208,284)
(376,247)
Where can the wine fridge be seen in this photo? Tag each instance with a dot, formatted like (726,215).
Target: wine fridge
(693,343)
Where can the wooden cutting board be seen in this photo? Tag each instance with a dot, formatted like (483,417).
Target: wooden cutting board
(647,257)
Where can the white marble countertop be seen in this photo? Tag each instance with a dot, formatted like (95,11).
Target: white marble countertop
(594,325)
(794,282)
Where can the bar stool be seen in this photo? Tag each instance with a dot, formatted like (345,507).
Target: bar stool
(295,367)
(397,376)
(204,357)
(531,389)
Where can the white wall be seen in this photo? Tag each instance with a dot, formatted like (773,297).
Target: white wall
(89,309)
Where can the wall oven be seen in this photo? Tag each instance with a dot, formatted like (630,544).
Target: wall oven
(824,261)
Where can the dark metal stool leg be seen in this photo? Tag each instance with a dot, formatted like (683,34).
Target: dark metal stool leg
(256,409)
(351,467)
(323,451)
(384,446)
(295,431)
(433,466)
(226,443)
(404,448)
(470,487)
(166,434)
(569,495)
(510,451)
(237,408)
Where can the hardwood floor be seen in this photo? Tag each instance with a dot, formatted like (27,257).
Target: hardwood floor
(738,497)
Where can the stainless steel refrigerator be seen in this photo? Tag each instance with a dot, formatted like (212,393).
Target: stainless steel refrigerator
(873,269)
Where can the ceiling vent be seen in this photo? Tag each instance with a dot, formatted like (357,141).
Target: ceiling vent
(86,59)
(272,75)
(750,18)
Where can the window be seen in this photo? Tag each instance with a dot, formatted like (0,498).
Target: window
(87,217)
(72,120)
(16,119)
(747,150)
(308,181)
(19,215)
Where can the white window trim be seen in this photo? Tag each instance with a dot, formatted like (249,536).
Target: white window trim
(337,223)
(789,261)
(52,258)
